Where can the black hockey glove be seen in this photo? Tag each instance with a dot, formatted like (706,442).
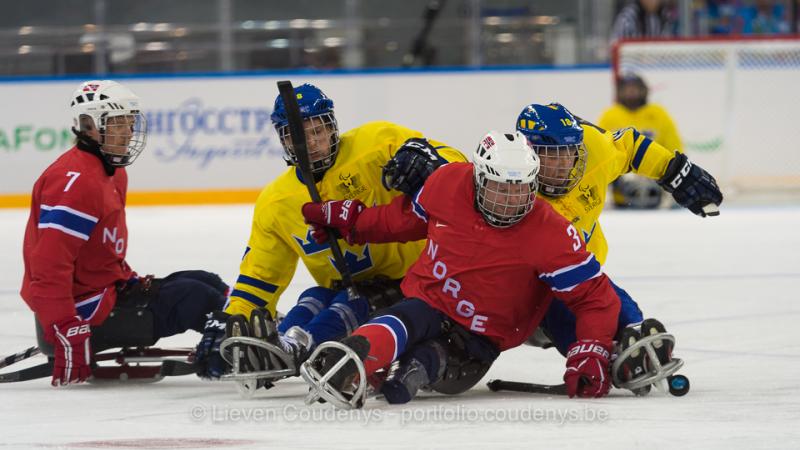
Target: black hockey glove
(207,358)
(413,163)
(692,187)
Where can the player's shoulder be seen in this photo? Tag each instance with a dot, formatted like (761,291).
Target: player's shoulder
(82,171)
(545,217)
(373,135)
(595,136)
(450,172)
(655,109)
(447,186)
(277,201)
(287,184)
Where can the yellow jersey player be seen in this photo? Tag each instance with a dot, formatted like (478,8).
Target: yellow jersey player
(350,167)
(578,161)
(632,109)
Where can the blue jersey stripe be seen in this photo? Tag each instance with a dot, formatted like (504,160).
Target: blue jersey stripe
(398,328)
(568,278)
(254,299)
(256,283)
(417,208)
(87,308)
(637,159)
(81,224)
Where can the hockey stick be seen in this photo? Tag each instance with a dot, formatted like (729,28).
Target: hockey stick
(533,388)
(298,135)
(173,362)
(30,373)
(17,357)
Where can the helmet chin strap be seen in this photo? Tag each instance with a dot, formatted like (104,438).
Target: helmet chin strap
(89,145)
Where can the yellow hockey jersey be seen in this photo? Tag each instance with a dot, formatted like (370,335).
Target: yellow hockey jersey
(609,156)
(652,120)
(280,237)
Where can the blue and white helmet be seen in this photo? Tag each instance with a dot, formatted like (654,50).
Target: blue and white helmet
(557,137)
(505,174)
(318,108)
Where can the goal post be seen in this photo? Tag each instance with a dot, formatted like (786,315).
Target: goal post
(735,102)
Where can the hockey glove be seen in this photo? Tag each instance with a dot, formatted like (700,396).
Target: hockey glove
(340,215)
(587,372)
(692,187)
(413,163)
(207,358)
(72,351)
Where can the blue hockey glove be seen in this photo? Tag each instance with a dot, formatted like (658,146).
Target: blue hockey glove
(692,187)
(208,360)
(411,165)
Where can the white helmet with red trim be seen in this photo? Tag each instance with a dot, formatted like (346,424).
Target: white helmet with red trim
(114,111)
(506,169)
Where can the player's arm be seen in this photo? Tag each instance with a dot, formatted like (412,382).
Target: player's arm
(576,278)
(690,185)
(358,225)
(267,267)
(403,220)
(69,211)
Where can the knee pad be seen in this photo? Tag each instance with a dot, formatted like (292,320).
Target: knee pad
(316,298)
(356,309)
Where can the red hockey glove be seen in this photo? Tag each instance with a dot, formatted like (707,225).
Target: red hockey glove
(338,214)
(72,351)
(587,372)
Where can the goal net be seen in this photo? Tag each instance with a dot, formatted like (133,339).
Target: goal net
(735,103)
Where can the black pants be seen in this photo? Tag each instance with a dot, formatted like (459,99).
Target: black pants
(421,322)
(171,306)
(183,300)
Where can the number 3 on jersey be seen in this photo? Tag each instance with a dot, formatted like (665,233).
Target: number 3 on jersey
(576,237)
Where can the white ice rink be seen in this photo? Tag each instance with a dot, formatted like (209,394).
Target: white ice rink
(726,287)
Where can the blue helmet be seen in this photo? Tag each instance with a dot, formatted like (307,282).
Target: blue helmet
(557,136)
(313,103)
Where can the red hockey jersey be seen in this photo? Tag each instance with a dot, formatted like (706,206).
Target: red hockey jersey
(75,240)
(495,282)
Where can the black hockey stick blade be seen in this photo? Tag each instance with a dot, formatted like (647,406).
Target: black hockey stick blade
(31,373)
(300,149)
(17,357)
(532,388)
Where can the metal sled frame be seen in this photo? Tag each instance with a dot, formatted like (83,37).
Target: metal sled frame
(319,382)
(656,372)
(247,382)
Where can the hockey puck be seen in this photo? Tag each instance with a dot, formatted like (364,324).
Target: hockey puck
(678,385)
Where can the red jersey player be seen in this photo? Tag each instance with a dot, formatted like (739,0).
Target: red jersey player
(76,239)
(491,266)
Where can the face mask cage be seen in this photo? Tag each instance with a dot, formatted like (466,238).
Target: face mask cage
(322,126)
(561,167)
(122,137)
(504,204)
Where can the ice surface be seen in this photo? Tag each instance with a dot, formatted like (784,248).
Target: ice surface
(727,288)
